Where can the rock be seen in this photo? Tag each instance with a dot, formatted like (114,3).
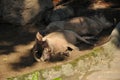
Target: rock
(22,11)
(60,13)
(115,35)
(0,9)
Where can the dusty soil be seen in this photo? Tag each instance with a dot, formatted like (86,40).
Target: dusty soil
(15,51)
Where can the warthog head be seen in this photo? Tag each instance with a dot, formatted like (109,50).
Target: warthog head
(43,50)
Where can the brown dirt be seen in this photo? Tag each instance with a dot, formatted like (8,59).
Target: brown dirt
(15,51)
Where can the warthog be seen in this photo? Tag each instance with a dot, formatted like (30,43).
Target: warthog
(56,45)
(81,25)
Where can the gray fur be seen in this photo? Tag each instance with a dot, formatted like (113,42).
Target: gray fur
(81,25)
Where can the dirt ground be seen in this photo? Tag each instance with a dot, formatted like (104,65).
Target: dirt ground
(15,51)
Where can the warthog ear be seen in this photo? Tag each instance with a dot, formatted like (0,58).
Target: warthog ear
(39,36)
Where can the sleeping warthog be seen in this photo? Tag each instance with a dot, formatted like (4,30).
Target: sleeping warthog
(56,44)
(81,25)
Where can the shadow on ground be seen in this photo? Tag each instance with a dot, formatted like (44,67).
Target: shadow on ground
(11,39)
(24,61)
(11,36)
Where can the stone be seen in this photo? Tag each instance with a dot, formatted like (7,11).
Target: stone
(60,13)
(21,12)
(0,9)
